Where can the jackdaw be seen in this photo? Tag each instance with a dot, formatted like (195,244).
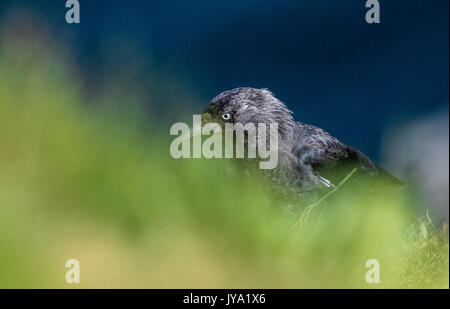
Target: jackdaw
(309,158)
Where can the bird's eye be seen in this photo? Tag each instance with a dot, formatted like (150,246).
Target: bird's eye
(226,116)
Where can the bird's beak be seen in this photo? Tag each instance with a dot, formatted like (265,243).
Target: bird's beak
(196,129)
(206,118)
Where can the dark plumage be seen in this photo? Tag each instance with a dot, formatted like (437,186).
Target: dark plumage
(309,158)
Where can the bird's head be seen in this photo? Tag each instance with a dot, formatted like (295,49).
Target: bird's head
(249,105)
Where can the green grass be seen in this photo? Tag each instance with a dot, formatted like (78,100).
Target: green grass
(75,183)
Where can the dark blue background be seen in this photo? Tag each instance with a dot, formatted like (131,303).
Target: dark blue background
(320,56)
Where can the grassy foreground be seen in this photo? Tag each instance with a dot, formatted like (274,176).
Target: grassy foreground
(104,190)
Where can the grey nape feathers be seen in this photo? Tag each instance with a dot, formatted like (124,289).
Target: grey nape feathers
(309,158)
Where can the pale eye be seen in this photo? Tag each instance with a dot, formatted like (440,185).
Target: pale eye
(226,116)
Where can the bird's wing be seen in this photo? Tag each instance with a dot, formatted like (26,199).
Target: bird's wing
(318,148)
(331,160)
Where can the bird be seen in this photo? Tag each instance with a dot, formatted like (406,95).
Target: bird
(310,159)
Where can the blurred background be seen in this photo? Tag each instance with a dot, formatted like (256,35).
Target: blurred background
(320,57)
(382,88)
